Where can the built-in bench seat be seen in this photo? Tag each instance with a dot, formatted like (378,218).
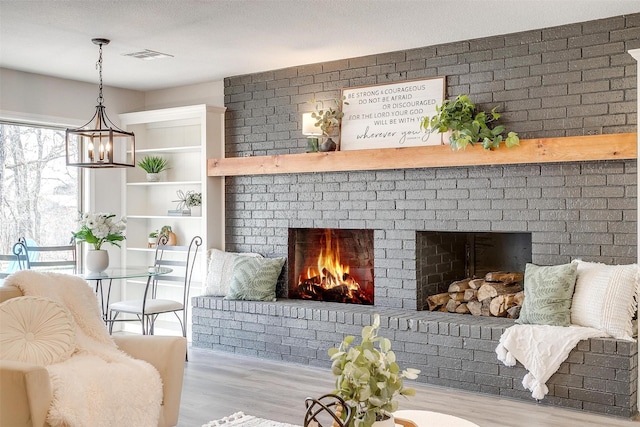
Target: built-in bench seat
(451,350)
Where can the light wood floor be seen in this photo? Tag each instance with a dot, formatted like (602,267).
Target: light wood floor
(217,384)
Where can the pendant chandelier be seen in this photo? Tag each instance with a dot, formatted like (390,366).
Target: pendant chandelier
(99,143)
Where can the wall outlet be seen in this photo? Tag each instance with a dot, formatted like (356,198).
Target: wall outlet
(592,131)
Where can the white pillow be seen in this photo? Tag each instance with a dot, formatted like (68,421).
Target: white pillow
(605,298)
(36,330)
(220,271)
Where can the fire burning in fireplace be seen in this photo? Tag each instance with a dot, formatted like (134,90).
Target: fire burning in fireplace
(332,268)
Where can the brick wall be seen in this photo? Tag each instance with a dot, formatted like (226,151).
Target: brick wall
(562,81)
(570,80)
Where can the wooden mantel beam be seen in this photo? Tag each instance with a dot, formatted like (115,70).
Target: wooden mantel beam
(544,150)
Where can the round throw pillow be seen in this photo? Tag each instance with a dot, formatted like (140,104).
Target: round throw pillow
(35,330)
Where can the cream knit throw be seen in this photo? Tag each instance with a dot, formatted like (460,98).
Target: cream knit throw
(98,385)
(541,349)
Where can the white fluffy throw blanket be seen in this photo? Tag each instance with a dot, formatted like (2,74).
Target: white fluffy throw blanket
(98,385)
(541,349)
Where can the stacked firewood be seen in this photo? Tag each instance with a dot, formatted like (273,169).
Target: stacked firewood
(498,294)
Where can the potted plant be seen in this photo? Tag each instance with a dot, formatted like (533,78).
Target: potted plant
(194,202)
(152,239)
(153,165)
(328,120)
(368,377)
(468,125)
(98,229)
(171,237)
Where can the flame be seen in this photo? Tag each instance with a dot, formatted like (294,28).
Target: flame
(329,270)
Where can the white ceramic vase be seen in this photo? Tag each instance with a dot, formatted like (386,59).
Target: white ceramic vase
(389,422)
(153,177)
(196,210)
(97,260)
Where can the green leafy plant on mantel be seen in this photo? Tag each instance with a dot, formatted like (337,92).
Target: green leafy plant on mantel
(328,119)
(368,377)
(469,126)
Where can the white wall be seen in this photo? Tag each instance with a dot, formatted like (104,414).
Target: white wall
(34,98)
(210,93)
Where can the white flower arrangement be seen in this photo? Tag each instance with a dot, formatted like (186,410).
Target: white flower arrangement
(99,228)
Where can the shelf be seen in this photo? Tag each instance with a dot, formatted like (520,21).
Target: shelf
(162,217)
(184,149)
(544,150)
(163,183)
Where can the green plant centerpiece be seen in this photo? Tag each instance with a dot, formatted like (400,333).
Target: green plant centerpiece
(468,125)
(153,165)
(368,377)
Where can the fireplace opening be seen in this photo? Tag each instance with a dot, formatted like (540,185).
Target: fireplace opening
(446,257)
(335,265)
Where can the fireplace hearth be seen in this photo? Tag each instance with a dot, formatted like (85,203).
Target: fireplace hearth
(334,265)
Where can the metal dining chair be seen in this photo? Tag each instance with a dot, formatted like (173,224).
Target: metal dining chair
(15,261)
(48,257)
(150,307)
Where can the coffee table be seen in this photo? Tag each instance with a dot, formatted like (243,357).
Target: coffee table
(433,419)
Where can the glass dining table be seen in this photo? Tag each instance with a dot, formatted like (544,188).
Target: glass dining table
(118,273)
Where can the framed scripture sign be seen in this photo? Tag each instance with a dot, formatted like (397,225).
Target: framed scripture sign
(389,115)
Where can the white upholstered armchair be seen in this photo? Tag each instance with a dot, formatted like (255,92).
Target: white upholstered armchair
(26,389)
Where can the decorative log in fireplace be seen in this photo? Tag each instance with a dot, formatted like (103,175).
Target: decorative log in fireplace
(498,294)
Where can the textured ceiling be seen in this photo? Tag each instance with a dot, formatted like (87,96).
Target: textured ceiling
(213,39)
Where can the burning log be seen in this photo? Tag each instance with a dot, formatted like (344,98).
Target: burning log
(326,278)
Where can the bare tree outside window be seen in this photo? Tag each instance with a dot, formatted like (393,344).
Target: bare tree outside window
(39,194)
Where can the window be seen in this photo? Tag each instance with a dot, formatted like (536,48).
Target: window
(39,194)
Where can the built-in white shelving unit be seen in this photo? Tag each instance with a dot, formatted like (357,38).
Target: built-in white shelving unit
(186,137)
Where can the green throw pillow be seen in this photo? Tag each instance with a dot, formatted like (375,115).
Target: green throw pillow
(547,294)
(255,279)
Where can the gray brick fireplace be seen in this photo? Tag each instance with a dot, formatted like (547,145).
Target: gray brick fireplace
(565,81)
(571,80)
(585,210)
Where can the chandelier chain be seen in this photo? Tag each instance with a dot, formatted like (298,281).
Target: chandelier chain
(99,67)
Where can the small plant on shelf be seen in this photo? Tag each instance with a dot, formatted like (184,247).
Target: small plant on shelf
(193,199)
(152,239)
(153,165)
(469,126)
(188,199)
(166,233)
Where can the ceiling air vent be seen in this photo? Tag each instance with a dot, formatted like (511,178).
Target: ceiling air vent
(148,55)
